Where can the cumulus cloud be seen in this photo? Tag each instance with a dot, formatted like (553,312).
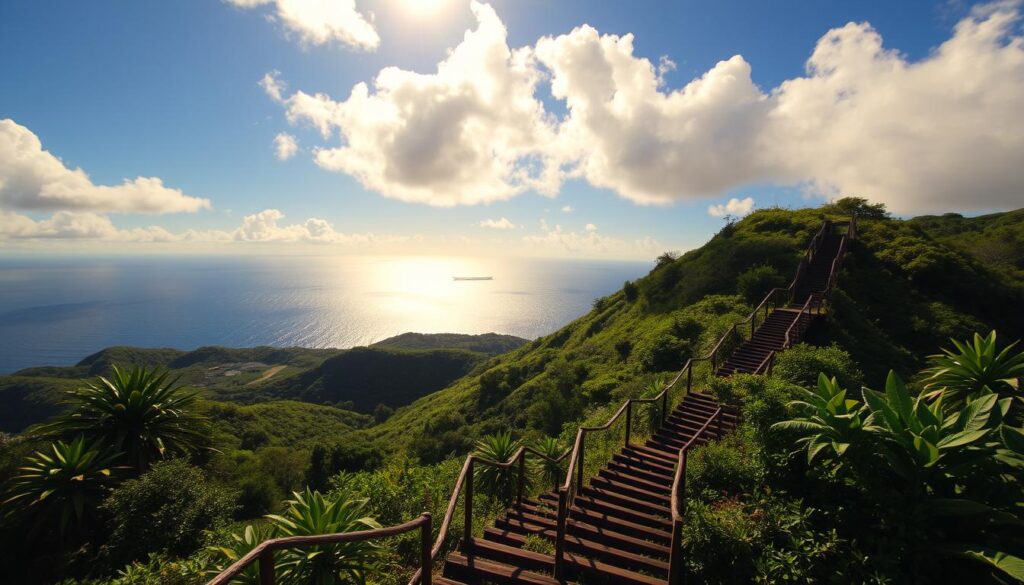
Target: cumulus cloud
(590,227)
(285,146)
(472,132)
(498,224)
(34,179)
(567,209)
(735,207)
(943,132)
(939,134)
(319,22)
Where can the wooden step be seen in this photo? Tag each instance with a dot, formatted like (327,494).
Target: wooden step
(475,569)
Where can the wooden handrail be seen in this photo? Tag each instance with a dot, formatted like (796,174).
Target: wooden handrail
(678,500)
(264,552)
(465,482)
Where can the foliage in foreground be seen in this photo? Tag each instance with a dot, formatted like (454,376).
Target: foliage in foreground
(945,480)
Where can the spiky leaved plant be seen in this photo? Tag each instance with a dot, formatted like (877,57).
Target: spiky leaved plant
(62,487)
(138,411)
(552,469)
(496,481)
(973,369)
(311,513)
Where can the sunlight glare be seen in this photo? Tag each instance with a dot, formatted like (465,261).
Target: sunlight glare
(423,7)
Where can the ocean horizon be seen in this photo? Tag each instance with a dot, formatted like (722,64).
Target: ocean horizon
(57,311)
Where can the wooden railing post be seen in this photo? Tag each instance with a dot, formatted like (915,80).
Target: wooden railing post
(560,527)
(629,420)
(426,558)
(467,524)
(689,377)
(266,567)
(522,477)
(664,405)
(579,461)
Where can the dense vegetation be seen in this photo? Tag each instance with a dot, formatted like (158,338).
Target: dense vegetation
(758,514)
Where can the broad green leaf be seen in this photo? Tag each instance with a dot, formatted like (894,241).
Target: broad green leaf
(962,438)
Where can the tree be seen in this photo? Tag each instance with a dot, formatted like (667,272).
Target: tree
(856,205)
(62,489)
(631,290)
(139,412)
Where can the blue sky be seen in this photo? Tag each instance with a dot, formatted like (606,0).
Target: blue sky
(172,90)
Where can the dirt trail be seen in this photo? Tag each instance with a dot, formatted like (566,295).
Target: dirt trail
(266,375)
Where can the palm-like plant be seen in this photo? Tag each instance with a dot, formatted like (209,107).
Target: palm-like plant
(974,368)
(312,513)
(62,487)
(551,469)
(829,422)
(499,482)
(138,411)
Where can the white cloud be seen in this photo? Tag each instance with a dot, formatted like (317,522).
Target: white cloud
(498,224)
(940,133)
(318,22)
(285,146)
(734,207)
(591,243)
(590,227)
(944,133)
(567,209)
(34,179)
(472,132)
(264,226)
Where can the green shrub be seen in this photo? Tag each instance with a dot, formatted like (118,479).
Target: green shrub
(258,495)
(724,468)
(802,363)
(165,510)
(667,353)
(623,347)
(720,539)
(755,283)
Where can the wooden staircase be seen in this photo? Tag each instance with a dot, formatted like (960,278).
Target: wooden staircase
(785,325)
(621,525)
(619,528)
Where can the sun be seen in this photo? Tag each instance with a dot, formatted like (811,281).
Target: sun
(423,7)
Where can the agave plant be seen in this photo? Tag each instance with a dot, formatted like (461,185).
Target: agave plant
(550,470)
(312,513)
(829,422)
(62,487)
(138,411)
(974,368)
(497,481)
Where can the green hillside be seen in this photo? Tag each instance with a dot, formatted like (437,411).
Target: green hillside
(905,288)
(397,370)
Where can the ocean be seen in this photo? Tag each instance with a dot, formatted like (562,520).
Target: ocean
(58,311)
